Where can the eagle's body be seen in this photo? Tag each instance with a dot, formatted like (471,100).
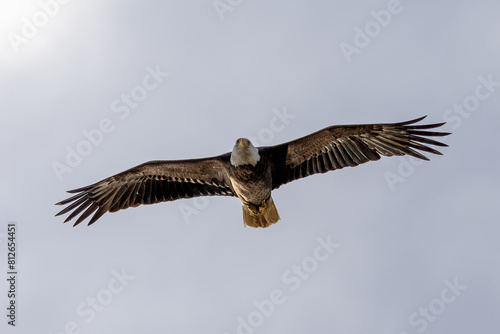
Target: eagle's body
(251,178)
(251,173)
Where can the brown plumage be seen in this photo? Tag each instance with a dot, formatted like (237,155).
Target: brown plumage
(251,173)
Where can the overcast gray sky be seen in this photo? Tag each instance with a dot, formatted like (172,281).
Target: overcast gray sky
(91,88)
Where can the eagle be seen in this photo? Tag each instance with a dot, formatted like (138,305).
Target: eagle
(251,173)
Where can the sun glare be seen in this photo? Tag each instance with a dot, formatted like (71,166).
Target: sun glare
(12,12)
(21,21)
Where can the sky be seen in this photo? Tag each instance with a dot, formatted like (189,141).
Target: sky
(91,88)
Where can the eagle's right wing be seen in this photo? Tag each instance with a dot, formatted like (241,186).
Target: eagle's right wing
(149,183)
(340,146)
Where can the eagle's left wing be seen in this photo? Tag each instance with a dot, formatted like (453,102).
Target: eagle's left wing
(149,183)
(341,146)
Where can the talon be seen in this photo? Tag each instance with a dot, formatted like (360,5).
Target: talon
(263,207)
(253,209)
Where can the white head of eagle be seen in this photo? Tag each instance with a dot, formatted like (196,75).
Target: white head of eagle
(244,153)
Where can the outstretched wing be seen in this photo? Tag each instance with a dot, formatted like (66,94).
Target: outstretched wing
(149,183)
(340,146)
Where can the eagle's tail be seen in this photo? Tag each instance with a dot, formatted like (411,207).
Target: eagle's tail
(263,215)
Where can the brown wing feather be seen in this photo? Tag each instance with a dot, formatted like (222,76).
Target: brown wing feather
(341,146)
(149,183)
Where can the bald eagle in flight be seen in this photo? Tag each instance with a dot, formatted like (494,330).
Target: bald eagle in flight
(251,173)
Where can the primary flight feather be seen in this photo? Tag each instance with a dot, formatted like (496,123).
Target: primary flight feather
(251,173)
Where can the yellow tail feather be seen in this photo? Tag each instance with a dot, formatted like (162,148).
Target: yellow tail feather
(261,216)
